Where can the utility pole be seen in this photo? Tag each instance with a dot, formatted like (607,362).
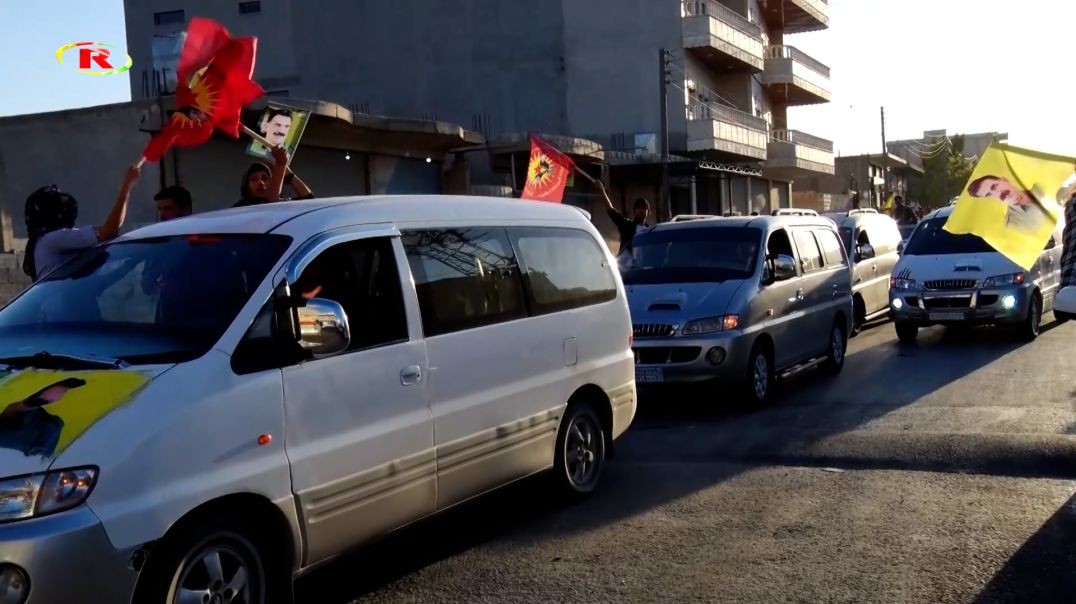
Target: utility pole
(885,159)
(665,66)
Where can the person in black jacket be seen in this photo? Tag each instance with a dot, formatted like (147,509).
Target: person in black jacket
(628,227)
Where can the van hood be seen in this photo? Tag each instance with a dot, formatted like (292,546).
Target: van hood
(43,411)
(954,266)
(678,302)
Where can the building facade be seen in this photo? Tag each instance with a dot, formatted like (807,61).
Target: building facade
(932,140)
(862,177)
(591,70)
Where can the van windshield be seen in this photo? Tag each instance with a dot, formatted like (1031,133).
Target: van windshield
(160,300)
(696,255)
(930,239)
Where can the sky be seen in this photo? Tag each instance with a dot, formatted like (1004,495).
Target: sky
(961,65)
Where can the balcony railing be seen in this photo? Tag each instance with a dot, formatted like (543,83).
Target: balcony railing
(716,10)
(796,137)
(699,110)
(797,55)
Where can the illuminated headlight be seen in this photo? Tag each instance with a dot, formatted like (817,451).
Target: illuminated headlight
(895,283)
(711,325)
(898,304)
(14,585)
(1003,280)
(1008,302)
(41,494)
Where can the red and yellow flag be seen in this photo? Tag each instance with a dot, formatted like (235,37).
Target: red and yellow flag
(214,83)
(547,173)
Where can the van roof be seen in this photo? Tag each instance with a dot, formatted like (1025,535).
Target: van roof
(760,222)
(272,217)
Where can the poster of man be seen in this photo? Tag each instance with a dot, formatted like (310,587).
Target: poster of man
(1025,211)
(281,126)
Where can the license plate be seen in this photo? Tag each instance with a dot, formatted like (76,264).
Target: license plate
(946,316)
(649,375)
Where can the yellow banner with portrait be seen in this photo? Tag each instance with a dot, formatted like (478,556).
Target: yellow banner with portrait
(1011,201)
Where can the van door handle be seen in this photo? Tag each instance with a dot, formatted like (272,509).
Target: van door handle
(410,376)
(799,295)
(874,267)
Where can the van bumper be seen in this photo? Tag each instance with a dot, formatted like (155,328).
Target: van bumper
(691,360)
(983,306)
(68,558)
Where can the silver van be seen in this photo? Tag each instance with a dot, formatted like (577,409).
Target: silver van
(737,300)
(872,242)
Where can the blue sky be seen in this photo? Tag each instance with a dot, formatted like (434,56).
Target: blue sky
(33,80)
(963,65)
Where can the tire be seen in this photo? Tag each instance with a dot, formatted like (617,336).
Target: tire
(1063,317)
(837,350)
(1032,325)
(859,316)
(759,377)
(221,555)
(580,456)
(907,333)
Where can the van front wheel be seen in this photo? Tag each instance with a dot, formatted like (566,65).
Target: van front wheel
(580,455)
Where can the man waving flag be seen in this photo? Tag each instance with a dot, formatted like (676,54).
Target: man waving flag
(214,83)
(1011,201)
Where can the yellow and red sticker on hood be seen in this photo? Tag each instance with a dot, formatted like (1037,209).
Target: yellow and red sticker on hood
(43,411)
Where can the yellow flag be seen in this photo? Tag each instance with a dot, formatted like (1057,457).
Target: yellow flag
(888,204)
(1011,201)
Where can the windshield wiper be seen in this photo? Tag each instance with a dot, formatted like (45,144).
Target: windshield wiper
(48,360)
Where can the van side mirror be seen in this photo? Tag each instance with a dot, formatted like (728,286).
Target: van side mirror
(865,251)
(784,267)
(900,248)
(323,328)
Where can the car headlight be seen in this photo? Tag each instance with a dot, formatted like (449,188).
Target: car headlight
(895,283)
(1003,280)
(41,494)
(711,325)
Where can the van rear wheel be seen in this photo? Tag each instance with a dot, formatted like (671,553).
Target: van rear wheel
(580,455)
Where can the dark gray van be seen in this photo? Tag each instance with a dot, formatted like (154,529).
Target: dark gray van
(737,300)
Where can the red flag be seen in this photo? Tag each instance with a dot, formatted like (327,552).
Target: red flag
(547,173)
(213,84)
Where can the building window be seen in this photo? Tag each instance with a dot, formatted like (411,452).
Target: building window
(249,8)
(169,17)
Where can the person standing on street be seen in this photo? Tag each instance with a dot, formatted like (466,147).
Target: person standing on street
(50,224)
(173,202)
(262,184)
(628,227)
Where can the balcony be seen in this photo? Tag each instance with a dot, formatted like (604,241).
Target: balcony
(726,134)
(796,16)
(720,37)
(793,154)
(794,78)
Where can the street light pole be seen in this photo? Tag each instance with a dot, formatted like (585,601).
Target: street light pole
(665,59)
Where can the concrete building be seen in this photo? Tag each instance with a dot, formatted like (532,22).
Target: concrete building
(589,70)
(974,144)
(862,175)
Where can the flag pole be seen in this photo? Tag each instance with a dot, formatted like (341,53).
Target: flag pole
(254,135)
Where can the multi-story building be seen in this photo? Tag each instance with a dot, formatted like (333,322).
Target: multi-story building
(591,70)
(974,144)
(862,176)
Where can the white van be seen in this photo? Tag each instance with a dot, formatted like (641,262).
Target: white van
(206,408)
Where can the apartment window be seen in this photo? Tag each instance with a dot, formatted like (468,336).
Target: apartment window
(169,17)
(249,8)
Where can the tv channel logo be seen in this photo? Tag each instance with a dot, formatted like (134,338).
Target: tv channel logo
(94,58)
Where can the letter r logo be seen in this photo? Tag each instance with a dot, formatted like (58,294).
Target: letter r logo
(96,55)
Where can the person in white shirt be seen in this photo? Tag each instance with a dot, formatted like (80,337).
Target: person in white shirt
(50,222)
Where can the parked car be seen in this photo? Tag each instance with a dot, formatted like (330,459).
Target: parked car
(947,279)
(736,301)
(690,217)
(871,240)
(265,388)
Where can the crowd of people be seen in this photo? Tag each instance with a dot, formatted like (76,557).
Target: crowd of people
(52,214)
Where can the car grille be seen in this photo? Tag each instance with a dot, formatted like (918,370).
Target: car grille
(950,302)
(987,300)
(653,330)
(666,355)
(950,284)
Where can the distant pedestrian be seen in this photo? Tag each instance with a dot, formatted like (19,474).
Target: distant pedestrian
(628,227)
(173,202)
(265,184)
(50,223)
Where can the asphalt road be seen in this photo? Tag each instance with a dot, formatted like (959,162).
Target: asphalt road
(939,472)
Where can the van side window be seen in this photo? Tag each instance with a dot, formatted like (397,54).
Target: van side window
(831,248)
(810,255)
(777,245)
(465,278)
(563,269)
(363,277)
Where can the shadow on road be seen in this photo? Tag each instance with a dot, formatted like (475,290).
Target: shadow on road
(1043,569)
(678,427)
